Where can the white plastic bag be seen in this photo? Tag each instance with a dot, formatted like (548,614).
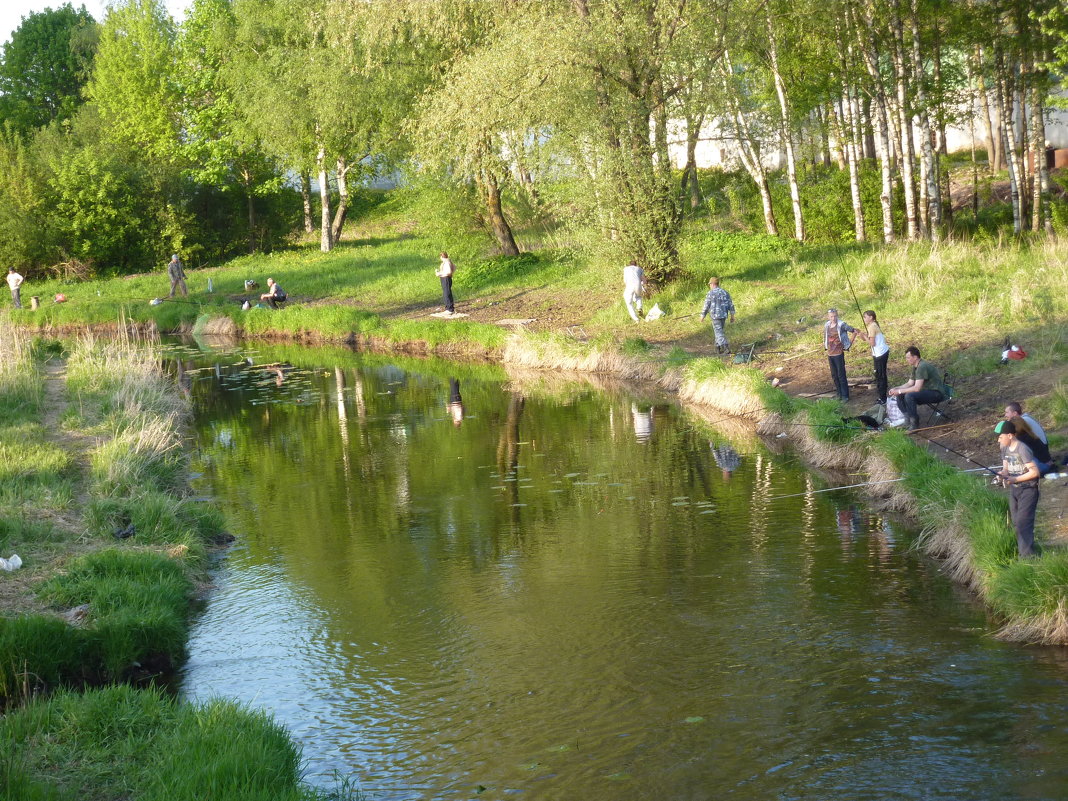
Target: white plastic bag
(14,563)
(654,313)
(895,418)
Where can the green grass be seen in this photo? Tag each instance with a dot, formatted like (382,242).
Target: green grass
(118,742)
(935,296)
(138,606)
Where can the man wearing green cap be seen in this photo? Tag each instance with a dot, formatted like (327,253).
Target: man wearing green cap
(1020,474)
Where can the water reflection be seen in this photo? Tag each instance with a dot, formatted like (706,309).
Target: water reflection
(541,602)
(456,402)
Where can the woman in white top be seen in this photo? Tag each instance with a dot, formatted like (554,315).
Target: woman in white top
(880,352)
(444,272)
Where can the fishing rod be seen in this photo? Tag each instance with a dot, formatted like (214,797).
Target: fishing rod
(849,282)
(956,452)
(862,484)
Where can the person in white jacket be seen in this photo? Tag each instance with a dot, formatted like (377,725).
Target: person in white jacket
(14,281)
(633,286)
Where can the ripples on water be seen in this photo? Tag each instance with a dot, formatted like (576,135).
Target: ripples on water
(569,595)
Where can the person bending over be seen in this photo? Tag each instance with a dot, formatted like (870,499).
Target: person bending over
(274,294)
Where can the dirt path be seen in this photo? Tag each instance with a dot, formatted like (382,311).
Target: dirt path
(77,444)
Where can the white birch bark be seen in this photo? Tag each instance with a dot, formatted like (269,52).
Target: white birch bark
(933,193)
(326,241)
(905,127)
(867,45)
(747,149)
(786,131)
(849,132)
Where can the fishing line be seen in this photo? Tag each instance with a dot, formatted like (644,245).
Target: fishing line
(958,453)
(849,283)
(864,484)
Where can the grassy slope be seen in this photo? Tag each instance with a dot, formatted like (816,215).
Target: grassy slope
(957,301)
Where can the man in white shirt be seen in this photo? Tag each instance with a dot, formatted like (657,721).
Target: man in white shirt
(633,285)
(14,281)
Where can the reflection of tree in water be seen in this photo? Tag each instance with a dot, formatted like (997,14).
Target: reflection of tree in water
(508,452)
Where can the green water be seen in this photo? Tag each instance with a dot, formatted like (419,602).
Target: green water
(567,596)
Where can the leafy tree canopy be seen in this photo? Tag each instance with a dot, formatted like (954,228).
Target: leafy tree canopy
(45,66)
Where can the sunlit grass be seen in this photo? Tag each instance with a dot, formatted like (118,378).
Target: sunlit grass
(118,742)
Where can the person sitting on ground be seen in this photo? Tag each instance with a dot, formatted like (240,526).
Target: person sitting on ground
(274,294)
(925,386)
(1026,435)
(1020,474)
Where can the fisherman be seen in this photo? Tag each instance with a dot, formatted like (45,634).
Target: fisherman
(925,386)
(1020,474)
(445,272)
(836,342)
(274,294)
(176,272)
(14,283)
(1015,410)
(718,305)
(633,289)
(1027,435)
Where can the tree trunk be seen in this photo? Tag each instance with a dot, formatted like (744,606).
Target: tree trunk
(867,129)
(689,172)
(1008,130)
(933,205)
(824,136)
(786,129)
(853,158)
(905,125)
(868,48)
(326,242)
(747,147)
(305,194)
(251,220)
(491,196)
(1041,212)
(343,199)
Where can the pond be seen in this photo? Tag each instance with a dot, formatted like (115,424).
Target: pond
(454,583)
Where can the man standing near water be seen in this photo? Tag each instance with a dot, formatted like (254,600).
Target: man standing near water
(14,282)
(718,305)
(1020,474)
(176,272)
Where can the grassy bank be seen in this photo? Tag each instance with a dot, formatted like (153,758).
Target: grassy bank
(958,300)
(92,452)
(964,523)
